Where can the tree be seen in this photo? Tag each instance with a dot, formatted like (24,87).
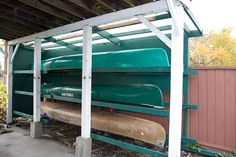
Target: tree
(213,49)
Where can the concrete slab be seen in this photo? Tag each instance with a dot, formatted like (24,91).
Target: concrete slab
(20,144)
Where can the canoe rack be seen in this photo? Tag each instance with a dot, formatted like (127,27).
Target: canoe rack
(25,78)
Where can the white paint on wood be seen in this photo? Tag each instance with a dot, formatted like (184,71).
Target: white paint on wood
(37,80)
(9,84)
(86,82)
(14,53)
(171,6)
(176,89)
(155,30)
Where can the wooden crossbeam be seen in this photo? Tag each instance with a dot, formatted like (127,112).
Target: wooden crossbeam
(130,2)
(50,10)
(22,15)
(106,4)
(12,31)
(17,27)
(35,12)
(66,7)
(20,21)
(62,43)
(82,4)
(106,35)
(134,21)
(7,36)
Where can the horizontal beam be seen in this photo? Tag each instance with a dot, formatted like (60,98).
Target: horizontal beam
(106,35)
(129,146)
(62,43)
(154,7)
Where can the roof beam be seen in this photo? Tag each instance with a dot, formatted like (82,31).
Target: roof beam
(87,7)
(12,31)
(133,21)
(109,6)
(65,7)
(17,26)
(62,43)
(130,2)
(20,21)
(149,8)
(20,14)
(7,36)
(34,12)
(48,9)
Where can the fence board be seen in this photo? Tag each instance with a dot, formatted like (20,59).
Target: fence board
(215,89)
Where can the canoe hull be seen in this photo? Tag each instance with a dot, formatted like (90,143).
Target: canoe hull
(120,124)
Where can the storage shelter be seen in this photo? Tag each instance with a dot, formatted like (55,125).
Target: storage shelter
(161,24)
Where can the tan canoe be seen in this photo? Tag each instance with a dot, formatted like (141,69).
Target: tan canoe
(128,126)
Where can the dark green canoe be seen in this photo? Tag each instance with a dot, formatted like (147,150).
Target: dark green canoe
(143,94)
(152,57)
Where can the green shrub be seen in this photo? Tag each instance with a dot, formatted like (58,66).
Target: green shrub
(3,102)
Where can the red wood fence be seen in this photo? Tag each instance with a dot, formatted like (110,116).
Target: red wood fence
(214,123)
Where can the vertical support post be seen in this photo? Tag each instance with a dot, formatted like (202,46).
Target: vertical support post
(86,82)
(177,49)
(186,85)
(37,79)
(9,84)
(36,126)
(5,62)
(83,143)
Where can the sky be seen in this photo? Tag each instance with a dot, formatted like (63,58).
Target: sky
(215,14)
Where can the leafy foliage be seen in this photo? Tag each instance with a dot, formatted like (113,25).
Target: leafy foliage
(213,49)
(3,102)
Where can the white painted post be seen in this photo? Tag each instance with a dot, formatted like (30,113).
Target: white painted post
(37,80)
(9,84)
(86,82)
(177,49)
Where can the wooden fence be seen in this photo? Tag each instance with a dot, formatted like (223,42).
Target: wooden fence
(214,123)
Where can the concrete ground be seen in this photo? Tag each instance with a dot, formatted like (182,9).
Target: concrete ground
(19,144)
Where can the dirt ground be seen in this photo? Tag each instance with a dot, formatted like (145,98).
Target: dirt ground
(66,135)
